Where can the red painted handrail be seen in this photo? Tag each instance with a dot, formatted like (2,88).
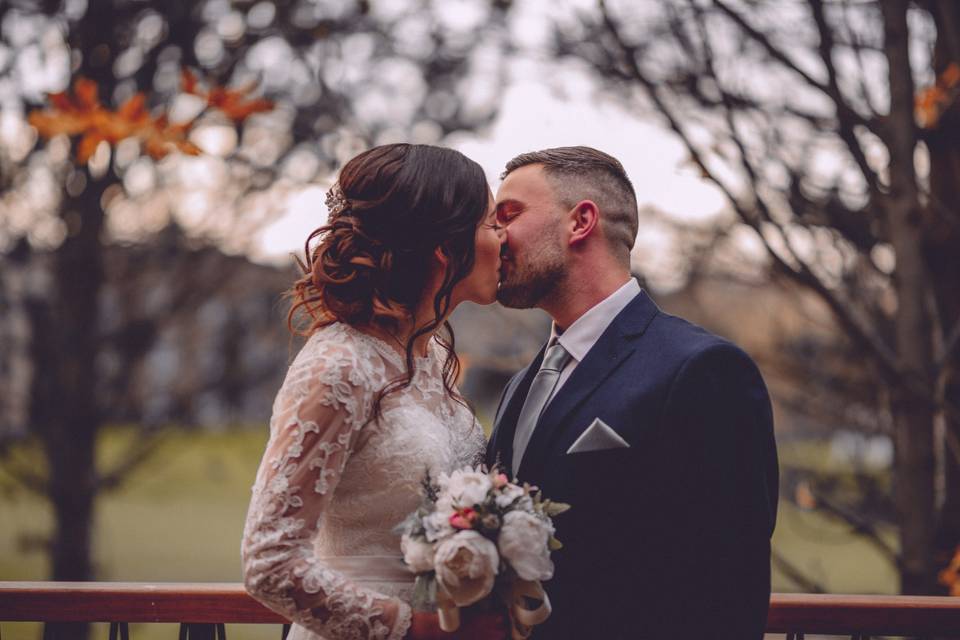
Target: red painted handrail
(229,603)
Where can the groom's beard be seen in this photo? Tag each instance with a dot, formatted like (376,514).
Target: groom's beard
(527,283)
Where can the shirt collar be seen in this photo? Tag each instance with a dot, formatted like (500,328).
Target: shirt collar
(580,337)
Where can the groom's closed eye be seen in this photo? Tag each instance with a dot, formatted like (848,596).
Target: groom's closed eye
(507,211)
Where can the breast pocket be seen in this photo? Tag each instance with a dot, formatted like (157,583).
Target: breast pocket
(600,478)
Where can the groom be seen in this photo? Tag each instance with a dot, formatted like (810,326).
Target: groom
(658,433)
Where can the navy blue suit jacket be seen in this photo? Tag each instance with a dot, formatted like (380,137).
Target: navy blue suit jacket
(669,538)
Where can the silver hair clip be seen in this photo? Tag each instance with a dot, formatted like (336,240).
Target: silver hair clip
(336,202)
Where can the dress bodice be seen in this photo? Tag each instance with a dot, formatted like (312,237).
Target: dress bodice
(335,480)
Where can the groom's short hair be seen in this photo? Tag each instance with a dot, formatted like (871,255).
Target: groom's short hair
(584,173)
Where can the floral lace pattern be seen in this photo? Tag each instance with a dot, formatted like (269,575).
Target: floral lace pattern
(333,482)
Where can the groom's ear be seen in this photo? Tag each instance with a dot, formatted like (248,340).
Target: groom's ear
(584,219)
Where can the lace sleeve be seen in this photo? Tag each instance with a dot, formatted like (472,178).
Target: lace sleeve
(317,418)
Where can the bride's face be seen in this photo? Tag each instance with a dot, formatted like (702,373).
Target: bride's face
(480,285)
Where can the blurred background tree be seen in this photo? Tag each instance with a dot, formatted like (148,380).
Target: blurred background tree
(151,78)
(832,130)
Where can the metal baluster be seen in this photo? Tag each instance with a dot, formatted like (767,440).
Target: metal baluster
(122,627)
(795,635)
(196,631)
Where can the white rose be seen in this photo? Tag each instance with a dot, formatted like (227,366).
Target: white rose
(466,565)
(525,504)
(523,544)
(417,554)
(467,488)
(509,493)
(437,524)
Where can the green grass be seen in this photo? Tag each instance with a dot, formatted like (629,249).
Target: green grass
(823,547)
(179,518)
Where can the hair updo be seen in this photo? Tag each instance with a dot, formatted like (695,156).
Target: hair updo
(371,262)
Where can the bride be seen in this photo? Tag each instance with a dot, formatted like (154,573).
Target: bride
(369,404)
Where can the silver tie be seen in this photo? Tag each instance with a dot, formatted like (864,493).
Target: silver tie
(541,389)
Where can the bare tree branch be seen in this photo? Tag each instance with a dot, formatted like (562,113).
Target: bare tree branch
(949,344)
(843,110)
(802,272)
(859,525)
(136,454)
(846,124)
(28,478)
(858,46)
(795,574)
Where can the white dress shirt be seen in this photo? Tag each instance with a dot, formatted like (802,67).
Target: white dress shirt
(580,337)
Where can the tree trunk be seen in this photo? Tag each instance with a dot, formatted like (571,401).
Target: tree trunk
(77,280)
(70,436)
(912,413)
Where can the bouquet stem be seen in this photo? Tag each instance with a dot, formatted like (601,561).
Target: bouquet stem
(447,611)
(523,594)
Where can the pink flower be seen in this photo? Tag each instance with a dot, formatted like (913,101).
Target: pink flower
(463,518)
(500,480)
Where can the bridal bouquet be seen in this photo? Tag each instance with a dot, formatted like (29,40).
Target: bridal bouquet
(476,534)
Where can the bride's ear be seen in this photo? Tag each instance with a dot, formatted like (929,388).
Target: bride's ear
(440,255)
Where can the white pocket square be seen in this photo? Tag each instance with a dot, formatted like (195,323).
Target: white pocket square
(598,437)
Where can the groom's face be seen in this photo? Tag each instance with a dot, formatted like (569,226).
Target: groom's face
(533,256)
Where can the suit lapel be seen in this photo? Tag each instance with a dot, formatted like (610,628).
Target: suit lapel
(616,343)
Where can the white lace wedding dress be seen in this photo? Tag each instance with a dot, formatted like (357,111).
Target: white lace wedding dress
(318,545)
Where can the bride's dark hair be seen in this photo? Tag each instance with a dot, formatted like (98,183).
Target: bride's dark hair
(371,262)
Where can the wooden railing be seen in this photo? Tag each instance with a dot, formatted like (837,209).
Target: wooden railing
(202,609)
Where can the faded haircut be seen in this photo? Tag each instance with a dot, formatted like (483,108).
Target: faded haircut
(584,173)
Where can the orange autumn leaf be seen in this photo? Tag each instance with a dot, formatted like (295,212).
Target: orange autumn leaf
(188,81)
(155,147)
(804,496)
(951,75)
(950,576)
(931,103)
(134,109)
(188,148)
(50,125)
(927,106)
(79,113)
(234,103)
(62,101)
(86,93)
(88,146)
(164,137)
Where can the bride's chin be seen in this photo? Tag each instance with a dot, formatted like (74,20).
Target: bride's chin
(490,295)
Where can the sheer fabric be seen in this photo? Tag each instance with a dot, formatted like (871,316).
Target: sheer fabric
(333,484)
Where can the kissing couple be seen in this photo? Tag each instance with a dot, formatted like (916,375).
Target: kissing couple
(657,432)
